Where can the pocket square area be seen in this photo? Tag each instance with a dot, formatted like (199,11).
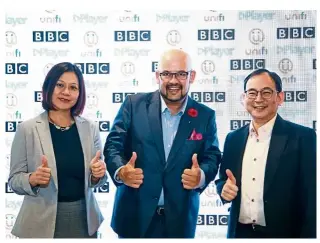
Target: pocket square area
(195,136)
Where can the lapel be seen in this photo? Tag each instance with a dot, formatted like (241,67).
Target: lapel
(43,130)
(42,126)
(86,140)
(237,154)
(186,125)
(278,141)
(154,117)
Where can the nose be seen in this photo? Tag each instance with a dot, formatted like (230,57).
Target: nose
(66,91)
(259,97)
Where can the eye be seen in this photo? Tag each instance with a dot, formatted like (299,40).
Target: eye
(60,85)
(182,74)
(74,88)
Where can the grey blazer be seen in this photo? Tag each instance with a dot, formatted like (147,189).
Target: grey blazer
(37,215)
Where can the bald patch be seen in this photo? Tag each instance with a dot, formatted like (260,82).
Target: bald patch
(170,57)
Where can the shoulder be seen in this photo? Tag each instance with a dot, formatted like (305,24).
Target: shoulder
(298,129)
(30,123)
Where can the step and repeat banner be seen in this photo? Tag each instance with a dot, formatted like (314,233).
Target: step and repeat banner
(118,53)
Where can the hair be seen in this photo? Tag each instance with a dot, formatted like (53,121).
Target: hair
(51,80)
(275,77)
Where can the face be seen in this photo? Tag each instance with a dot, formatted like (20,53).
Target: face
(66,91)
(264,107)
(174,77)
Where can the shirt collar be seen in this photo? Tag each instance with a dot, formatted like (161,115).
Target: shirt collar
(263,131)
(164,106)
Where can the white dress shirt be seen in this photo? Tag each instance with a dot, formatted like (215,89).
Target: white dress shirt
(253,170)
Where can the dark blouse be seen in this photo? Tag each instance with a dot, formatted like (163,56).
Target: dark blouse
(70,163)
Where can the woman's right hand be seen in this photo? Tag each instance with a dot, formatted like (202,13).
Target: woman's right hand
(41,177)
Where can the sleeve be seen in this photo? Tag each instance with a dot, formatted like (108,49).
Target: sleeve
(114,149)
(19,174)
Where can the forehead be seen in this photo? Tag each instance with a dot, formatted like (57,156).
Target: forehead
(174,63)
(260,81)
(69,77)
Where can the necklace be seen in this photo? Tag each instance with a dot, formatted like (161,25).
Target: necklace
(62,129)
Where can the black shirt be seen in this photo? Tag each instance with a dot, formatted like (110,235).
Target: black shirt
(70,163)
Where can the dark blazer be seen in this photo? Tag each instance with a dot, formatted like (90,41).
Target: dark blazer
(290,179)
(137,127)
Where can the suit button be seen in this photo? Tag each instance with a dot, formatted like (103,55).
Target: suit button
(266,201)
(155,198)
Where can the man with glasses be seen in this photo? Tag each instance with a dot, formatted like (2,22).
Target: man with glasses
(162,152)
(268,169)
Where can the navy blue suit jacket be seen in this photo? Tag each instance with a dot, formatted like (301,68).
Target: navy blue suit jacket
(290,179)
(137,128)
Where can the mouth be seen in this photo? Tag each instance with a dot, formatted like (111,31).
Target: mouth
(259,108)
(173,89)
(64,100)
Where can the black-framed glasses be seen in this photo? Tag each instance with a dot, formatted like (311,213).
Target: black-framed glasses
(181,75)
(265,93)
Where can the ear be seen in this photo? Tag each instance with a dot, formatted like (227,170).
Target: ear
(192,76)
(280,98)
(242,98)
(158,77)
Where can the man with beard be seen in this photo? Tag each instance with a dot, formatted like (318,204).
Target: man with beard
(162,152)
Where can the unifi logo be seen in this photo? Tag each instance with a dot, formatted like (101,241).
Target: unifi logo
(53,18)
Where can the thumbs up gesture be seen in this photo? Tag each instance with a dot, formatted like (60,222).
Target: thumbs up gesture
(41,177)
(130,175)
(230,189)
(191,177)
(97,166)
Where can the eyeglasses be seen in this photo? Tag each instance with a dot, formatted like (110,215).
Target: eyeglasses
(181,75)
(266,93)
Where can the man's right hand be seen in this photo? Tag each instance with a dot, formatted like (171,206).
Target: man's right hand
(130,175)
(230,189)
(41,177)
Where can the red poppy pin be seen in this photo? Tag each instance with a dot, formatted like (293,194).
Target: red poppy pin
(192,112)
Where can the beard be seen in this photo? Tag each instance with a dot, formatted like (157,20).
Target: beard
(173,100)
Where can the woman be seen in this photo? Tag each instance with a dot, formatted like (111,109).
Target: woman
(55,163)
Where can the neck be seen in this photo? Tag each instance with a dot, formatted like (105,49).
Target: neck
(61,118)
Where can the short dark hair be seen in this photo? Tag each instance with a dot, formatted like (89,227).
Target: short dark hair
(50,82)
(275,77)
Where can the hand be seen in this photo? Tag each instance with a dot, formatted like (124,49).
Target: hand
(191,177)
(97,166)
(230,189)
(41,177)
(130,175)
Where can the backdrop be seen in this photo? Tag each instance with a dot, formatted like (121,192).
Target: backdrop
(118,53)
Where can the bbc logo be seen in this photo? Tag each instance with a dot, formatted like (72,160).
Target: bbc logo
(236,124)
(212,219)
(314,64)
(247,64)
(132,35)
(17,68)
(37,96)
(94,68)
(104,126)
(11,126)
(119,97)
(102,189)
(296,33)
(298,96)
(154,66)
(209,96)
(216,34)
(8,189)
(50,36)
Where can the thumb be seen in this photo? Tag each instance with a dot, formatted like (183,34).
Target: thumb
(98,156)
(231,176)
(44,161)
(195,163)
(132,161)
